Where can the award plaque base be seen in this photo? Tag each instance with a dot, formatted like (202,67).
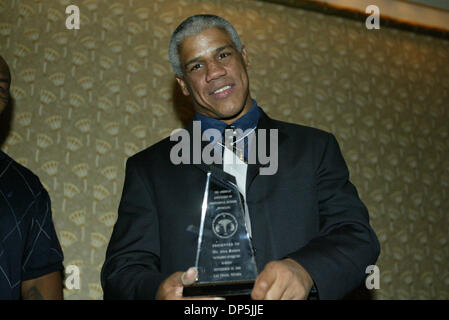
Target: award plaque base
(231,289)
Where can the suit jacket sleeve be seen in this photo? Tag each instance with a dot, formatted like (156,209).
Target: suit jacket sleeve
(346,244)
(131,268)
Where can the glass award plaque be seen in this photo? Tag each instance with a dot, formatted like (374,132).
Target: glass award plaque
(225,257)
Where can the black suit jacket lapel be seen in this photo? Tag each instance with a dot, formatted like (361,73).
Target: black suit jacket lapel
(266,123)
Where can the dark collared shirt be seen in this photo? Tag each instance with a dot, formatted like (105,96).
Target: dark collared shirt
(29,247)
(247,122)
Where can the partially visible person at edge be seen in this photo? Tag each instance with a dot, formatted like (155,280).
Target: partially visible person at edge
(310,230)
(30,254)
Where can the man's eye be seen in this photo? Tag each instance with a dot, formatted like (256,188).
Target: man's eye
(224,55)
(195,67)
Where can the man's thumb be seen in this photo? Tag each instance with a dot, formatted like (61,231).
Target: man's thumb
(190,276)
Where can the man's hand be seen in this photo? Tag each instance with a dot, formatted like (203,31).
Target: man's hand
(282,280)
(172,287)
(48,287)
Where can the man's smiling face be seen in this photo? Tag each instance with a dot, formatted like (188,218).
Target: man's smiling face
(215,75)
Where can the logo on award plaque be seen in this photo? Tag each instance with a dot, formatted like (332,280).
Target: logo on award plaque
(225,257)
(224,225)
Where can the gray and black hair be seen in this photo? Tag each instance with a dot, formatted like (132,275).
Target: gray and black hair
(193,26)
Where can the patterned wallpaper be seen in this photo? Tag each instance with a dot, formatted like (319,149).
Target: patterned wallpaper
(85,100)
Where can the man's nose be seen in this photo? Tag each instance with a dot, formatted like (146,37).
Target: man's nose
(214,71)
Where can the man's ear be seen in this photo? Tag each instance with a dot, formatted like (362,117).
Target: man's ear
(183,85)
(245,56)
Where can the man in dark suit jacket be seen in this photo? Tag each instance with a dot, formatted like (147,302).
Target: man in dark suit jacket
(310,230)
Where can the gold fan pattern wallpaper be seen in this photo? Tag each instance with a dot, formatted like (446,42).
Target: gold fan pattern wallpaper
(85,100)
